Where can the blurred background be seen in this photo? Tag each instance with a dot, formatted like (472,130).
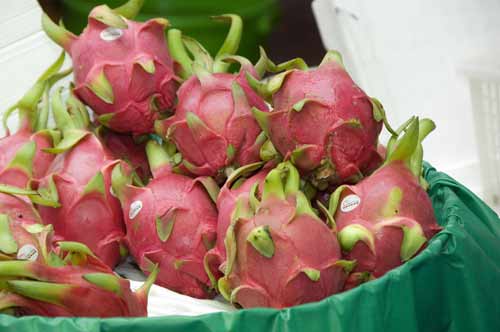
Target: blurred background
(437,59)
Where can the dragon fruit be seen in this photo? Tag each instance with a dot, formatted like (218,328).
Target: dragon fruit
(16,206)
(128,149)
(123,69)
(21,236)
(279,252)
(171,222)
(79,180)
(236,191)
(57,288)
(213,126)
(387,218)
(321,120)
(21,154)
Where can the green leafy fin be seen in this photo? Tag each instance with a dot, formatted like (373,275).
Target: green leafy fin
(8,244)
(165,224)
(260,238)
(102,88)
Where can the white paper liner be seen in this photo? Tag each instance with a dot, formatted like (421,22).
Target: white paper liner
(164,302)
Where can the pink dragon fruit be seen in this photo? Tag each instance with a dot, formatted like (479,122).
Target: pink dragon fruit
(79,179)
(236,191)
(22,234)
(122,68)
(17,207)
(279,253)
(22,156)
(22,237)
(321,120)
(213,126)
(171,222)
(128,149)
(387,218)
(376,161)
(357,278)
(57,289)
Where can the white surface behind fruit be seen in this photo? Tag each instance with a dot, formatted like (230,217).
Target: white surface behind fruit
(164,302)
(25,51)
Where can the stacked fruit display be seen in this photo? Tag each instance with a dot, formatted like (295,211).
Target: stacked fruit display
(264,182)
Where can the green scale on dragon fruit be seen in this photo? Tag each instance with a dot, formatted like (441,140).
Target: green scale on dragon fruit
(387,218)
(123,69)
(56,286)
(238,188)
(213,126)
(279,253)
(170,222)
(79,183)
(321,120)
(22,157)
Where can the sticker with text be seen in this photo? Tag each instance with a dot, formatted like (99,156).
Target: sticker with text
(135,208)
(27,252)
(110,34)
(349,203)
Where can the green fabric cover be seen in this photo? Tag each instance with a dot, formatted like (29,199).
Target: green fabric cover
(452,285)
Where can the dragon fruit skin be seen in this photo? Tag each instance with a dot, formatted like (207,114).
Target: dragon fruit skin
(18,174)
(70,304)
(127,79)
(392,217)
(213,126)
(229,197)
(376,160)
(171,222)
(281,254)
(323,121)
(357,278)
(22,234)
(18,208)
(88,212)
(378,193)
(56,288)
(124,147)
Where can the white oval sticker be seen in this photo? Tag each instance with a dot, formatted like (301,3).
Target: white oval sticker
(349,203)
(110,34)
(135,208)
(28,252)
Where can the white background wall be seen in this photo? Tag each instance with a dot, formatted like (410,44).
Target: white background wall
(25,51)
(409,55)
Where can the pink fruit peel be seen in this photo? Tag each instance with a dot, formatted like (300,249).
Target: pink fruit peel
(321,120)
(279,253)
(213,127)
(123,69)
(79,181)
(387,218)
(170,222)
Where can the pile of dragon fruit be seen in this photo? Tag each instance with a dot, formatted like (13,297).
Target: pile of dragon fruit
(263,183)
